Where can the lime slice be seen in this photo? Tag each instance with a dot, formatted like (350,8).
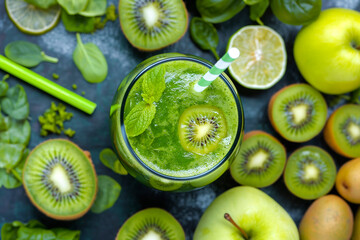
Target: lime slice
(262,60)
(30,19)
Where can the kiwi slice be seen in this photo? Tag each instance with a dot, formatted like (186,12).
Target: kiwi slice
(151,223)
(310,173)
(153,24)
(342,131)
(298,112)
(260,162)
(60,179)
(201,128)
(164,184)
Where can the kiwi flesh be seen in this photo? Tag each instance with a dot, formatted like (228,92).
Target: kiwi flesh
(260,162)
(164,184)
(342,131)
(201,128)
(151,223)
(298,112)
(310,173)
(60,179)
(153,24)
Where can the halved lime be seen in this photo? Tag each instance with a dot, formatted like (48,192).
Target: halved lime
(262,60)
(30,19)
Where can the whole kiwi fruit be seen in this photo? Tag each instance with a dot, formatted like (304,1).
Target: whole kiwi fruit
(328,218)
(153,24)
(151,223)
(60,180)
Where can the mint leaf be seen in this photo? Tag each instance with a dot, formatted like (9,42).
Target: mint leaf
(153,84)
(139,118)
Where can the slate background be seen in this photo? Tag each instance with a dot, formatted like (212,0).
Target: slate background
(92,132)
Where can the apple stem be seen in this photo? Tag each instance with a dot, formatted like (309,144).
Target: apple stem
(229,218)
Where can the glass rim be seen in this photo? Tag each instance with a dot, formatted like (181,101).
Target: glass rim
(229,85)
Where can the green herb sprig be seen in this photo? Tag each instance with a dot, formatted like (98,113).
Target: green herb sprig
(141,116)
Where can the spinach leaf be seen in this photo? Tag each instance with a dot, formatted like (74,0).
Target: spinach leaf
(27,54)
(8,180)
(139,118)
(355,96)
(108,193)
(257,11)
(65,234)
(90,61)
(77,23)
(153,84)
(10,155)
(94,8)
(9,230)
(296,12)
(4,86)
(73,6)
(204,35)
(5,123)
(26,233)
(217,11)
(15,103)
(251,2)
(19,132)
(110,160)
(44,4)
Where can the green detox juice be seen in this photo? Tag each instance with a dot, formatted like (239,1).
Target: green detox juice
(177,138)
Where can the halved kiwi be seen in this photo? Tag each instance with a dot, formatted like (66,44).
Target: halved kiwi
(298,112)
(153,24)
(342,131)
(60,179)
(151,223)
(201,128)
(310,172)
(261,160)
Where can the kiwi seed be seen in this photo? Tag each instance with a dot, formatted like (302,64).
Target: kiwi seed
(151,223)
(298,112)
(153,24)
(201,128)
(310,173)
(60,179)
(260,162)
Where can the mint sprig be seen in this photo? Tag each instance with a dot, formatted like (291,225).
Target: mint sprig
(141,116)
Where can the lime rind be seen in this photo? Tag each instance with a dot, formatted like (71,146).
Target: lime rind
(258,74)
(30,19)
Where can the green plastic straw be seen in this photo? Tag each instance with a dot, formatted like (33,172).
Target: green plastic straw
(219,67)
(46,85)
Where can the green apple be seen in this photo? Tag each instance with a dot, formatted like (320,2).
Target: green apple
(327,51)
(257,214)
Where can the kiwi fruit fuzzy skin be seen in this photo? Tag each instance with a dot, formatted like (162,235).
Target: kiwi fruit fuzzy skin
(270,108)
(256,132)
(330,138)
(150,50)
(66,218)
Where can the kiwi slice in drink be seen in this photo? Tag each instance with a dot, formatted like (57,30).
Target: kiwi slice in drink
(260,162)
(164,184)
(60,179)
(310,172)
(201,128)
(151,223)
(298,112)
(342,131)
(153,24)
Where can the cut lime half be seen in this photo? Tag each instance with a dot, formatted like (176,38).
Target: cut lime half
(262,60)
(30,19)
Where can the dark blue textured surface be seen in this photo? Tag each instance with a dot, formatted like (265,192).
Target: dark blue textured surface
(92,132)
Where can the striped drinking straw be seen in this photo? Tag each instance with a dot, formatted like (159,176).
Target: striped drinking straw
(217,69)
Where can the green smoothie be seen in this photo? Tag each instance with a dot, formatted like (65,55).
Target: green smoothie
(161,146)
